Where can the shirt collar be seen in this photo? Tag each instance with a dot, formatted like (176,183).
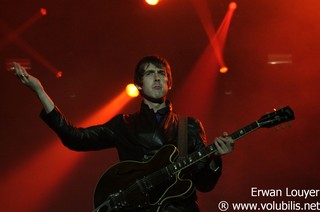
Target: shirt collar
(163,111)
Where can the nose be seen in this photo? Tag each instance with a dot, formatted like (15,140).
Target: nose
(156,76)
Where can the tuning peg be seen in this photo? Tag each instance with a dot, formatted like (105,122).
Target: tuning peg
(276,128)
(283,126)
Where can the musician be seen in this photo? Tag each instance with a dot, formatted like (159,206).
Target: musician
(140,135)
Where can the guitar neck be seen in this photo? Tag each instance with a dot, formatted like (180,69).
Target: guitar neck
(184,162)
(244,131)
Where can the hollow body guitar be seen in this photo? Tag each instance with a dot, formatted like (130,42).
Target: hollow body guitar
(149,186)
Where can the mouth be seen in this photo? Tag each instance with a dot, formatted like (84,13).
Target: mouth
(157,87)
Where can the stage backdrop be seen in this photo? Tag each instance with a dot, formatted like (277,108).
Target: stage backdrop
(271,49)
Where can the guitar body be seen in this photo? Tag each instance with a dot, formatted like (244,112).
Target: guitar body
(125,186)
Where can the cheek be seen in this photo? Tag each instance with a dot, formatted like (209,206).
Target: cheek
(166,82)
(146,83)
(146,86)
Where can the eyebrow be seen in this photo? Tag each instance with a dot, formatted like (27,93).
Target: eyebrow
(153,71)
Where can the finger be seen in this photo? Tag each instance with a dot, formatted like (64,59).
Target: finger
(223,140)
(229,139)
(17,68)
(20,71)
(221,143)
(218,147)
(226,143)
(25,76)
(24,73)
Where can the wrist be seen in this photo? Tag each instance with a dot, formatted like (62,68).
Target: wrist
(214,167)
(45,100)
(39,92)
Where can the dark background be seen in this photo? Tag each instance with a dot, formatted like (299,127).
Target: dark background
(96,45)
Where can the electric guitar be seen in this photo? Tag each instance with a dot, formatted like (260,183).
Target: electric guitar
(149,186)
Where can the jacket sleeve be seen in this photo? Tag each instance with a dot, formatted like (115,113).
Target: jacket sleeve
(78,138)
(204,177)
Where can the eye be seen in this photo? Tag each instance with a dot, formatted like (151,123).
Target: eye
(162,73)
(148,73)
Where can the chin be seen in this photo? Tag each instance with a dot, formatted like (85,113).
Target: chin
(156,99)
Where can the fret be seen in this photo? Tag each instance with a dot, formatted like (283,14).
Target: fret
(243,131)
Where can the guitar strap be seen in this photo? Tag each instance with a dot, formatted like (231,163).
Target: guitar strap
(183,136)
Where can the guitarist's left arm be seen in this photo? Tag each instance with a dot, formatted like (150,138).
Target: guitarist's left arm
(224,145)
(208,170)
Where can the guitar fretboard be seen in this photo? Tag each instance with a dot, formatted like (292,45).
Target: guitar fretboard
(245,130)
(184,162)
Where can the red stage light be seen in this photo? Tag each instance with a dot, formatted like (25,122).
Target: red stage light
(43,11)
(232,5)
(59,74)
(224,70)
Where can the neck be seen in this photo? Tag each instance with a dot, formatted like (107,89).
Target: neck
(155,106)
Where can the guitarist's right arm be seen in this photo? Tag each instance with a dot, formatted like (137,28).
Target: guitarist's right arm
(79,139)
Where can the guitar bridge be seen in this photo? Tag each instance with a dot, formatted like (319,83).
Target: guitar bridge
(115,201)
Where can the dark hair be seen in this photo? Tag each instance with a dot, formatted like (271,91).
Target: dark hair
(156,60)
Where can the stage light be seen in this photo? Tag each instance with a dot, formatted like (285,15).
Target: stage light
(59,74)
(132,90)
(232,5)
(43,11)
(224,70)
(152,2)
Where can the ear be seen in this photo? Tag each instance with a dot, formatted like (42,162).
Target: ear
(138,87)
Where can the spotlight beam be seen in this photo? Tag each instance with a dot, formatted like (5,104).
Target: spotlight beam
(216,39)
(13,36)
(41,175)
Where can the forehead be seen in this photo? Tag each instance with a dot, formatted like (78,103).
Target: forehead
(153,67)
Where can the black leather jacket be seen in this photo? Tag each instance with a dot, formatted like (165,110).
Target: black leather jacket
(137,137)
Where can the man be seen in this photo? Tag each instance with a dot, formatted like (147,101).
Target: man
(140,135)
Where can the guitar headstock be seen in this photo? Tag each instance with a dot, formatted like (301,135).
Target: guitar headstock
(277,117)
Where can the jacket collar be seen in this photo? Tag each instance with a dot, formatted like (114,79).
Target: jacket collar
(145,108)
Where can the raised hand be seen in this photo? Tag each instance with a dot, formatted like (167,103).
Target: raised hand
(35,85)
(30,81)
